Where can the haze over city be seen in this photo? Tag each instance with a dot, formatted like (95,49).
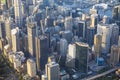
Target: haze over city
(59,39)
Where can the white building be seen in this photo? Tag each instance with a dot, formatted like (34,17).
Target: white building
(15,39)
(105,30)
(72,50)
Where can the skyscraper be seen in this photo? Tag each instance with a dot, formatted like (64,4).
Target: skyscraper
(116,13)
(105,30)
(114,56)
(2,30)
(15,39)
(115,34)
(81,61)
(72,50)
(63,46)
(81,29)
(31,68)
(18,12)
(52,71)
(42,47)
(97,45)
(94,20)
(90,35)
(9,25)
(31,29)
(68,23)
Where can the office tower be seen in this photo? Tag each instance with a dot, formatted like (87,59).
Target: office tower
(31,68)
(93,10)
(18,13)
(81,29)
(2,30)
(15,39)
(70,61)
(67,35)
(90,35)
(115,34)
(31,29)
(9,25)
(68,23)
(97,45)
(52,71)
(25,41)
(72,50)
(116,13)
(94,20)
(63,46)
(105,19)
(81,61)
(42,47)
(105,30)
(114,55)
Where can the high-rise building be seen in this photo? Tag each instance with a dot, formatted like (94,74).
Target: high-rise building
(81,29)
(31,29)
(90,35)
(42,47)
(31,68)
(94,20)
(63,46)
(81,61)
(9,25)
(114,56)
(52,71)
(2,30)
(97,45)
(72,50)
(115,34)
(68,23)
(18,12)
(15,39)
(116,13)
(105,30)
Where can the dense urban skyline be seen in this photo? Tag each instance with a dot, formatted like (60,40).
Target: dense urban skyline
(59,39)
